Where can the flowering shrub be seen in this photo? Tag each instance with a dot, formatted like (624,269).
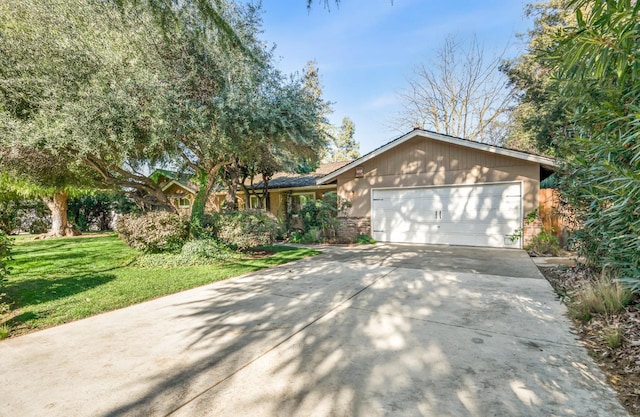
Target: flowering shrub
(152,232)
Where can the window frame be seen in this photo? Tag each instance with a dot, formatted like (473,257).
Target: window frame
(180,204)
(311,194)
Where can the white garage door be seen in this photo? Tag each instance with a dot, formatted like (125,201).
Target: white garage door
(471,215)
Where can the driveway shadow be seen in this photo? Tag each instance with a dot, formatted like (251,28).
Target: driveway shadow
(332,338)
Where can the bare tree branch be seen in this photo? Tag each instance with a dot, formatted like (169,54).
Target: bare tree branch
(461,93)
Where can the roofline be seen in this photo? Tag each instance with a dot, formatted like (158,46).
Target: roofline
(179,184)
(294,189)
(542,160)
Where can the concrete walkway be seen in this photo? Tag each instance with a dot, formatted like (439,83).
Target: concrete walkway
(364,331)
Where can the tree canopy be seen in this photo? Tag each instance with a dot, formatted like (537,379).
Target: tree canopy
(121,87)
(540,120)
(343,146)
(591,66)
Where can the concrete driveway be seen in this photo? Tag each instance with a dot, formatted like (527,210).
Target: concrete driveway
(362,331)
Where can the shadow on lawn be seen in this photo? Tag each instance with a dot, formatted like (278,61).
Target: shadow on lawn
(41,290)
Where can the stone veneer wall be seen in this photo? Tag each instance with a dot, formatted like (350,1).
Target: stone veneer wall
(351,227)
(531,230)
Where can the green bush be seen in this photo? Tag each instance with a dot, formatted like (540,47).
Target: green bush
(544,244)
(9,215)
(96,211)
(364,240)
(321,215)
(5,254)
(18,215)
(152,232)
(207,227)
(247,228)
(206,249)
(313,235)
(194,252)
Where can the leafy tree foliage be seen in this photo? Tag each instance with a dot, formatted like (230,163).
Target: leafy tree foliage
(344,147)
(460,93)
(594,74)
(540,120)
(95,211)
(75,94)
(599,71)
(119,89)
(290,129)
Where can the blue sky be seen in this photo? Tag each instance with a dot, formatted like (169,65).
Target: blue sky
(366,49)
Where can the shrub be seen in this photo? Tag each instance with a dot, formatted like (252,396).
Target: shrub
(364,240)
(602,296)
(5,254)
(544,244)
(206,228)
(206,249)
(30,216)
(9,215)
(152,232)
(320,215)
(247,228)
(96,211)
(194,252)
(5,330)
(313,235)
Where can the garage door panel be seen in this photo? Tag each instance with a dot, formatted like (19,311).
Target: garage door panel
(502,228)
(483,214)
(477,215)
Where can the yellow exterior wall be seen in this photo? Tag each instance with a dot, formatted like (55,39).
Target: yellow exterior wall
(424,162)
(175,190)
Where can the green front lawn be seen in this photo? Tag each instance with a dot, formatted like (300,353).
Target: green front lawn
(55,281)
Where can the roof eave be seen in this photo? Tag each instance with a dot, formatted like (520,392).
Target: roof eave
(179,184)
(542,160)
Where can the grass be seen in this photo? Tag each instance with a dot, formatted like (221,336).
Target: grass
(55,281)
(4,331)
(602,296)
(614,337)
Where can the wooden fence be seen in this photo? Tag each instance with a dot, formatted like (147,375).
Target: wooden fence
(549,212)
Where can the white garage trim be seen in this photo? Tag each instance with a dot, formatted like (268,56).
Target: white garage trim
(481,214)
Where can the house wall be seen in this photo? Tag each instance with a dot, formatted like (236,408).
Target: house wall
(279,198)
(176,190)
(424,162)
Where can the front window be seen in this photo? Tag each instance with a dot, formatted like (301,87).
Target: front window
(299,200)
(254,202)
(184,203)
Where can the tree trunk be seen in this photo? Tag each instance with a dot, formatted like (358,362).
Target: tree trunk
(59,224)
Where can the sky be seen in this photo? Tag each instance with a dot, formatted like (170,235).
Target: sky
(367,49)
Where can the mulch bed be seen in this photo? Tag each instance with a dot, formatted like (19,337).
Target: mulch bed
(621,365)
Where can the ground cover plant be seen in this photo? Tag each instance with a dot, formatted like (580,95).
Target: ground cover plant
(55,281)
(606,319)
